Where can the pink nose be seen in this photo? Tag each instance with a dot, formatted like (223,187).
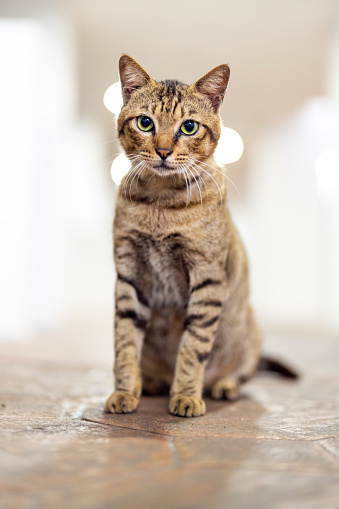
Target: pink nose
(163,152)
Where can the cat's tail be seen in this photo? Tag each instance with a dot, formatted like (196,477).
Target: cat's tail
(269,364)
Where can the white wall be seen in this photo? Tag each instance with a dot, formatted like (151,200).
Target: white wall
(292,225)
(55,197)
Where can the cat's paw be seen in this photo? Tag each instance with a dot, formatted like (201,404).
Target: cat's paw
(121,403)
(225,388)
(187,406)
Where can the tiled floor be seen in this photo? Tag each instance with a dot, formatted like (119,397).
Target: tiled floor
(276,447)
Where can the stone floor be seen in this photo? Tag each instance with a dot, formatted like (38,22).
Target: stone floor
(276,447)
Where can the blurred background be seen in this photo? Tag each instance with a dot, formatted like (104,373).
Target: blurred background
(57,59)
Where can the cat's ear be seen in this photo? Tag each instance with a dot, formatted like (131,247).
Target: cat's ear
(214,84)
(132,76)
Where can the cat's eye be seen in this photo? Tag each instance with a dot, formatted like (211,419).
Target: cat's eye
(145,123)
(189,127)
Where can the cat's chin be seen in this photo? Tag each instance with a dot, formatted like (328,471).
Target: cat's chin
(163,166)
(164,169)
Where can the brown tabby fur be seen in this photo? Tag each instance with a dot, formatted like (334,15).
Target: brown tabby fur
(183,320)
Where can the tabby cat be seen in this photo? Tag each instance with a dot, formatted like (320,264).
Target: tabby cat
(183,320)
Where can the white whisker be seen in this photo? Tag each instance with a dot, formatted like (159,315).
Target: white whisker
(149,180)
(200,176)
(183,170)
(137,168)
(208,173)
(137,174)
(222,173)
(196,181)
(129,176)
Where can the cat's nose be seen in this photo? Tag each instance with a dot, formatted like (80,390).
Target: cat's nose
(163,152)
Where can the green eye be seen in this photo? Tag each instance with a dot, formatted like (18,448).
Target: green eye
(189,127)
(145,123)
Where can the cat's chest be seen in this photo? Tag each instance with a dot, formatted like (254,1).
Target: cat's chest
(159,264)
(168,273)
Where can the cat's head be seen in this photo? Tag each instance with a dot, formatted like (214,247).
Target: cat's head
(166,126)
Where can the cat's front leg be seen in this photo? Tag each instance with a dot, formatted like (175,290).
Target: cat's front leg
(131,316)
(205,304)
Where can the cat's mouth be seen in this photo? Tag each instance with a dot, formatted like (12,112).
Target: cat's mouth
(165,168)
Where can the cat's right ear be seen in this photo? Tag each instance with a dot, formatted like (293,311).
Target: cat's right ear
(132,77)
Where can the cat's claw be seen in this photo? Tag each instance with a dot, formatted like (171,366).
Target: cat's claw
(187,406)
(121,403)
(225,388)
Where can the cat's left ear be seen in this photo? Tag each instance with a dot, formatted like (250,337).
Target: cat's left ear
(132,76)
(214,84)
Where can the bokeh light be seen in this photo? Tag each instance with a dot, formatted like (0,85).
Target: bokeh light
(120,168)
(113,98)
(230,147)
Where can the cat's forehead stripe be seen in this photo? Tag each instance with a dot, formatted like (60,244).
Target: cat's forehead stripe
(169,94)
(175,106)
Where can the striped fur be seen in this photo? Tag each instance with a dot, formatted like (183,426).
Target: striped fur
(183,321)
